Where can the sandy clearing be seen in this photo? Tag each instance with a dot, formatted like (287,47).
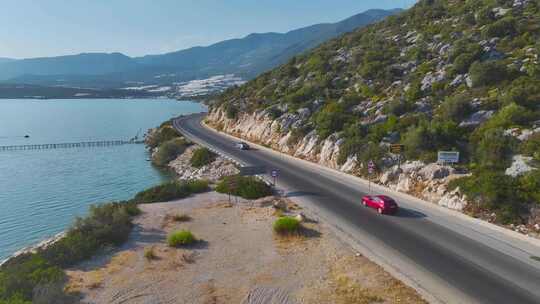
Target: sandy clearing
(239,260)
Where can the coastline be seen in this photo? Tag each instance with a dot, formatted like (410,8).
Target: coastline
(67,181)
(40,245)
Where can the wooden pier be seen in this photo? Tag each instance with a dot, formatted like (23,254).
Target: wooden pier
(87,144)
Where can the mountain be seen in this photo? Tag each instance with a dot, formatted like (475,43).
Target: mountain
(244,57)
(258,52)
(82,64)
(445,75)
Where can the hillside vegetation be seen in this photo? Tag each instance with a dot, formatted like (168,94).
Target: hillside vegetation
(444,75)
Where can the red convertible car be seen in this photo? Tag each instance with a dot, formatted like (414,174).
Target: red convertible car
(383,203)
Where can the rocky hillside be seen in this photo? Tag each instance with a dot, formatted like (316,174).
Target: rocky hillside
(448,75)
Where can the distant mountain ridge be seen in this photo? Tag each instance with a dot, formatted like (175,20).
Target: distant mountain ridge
(258,52)
(246,57)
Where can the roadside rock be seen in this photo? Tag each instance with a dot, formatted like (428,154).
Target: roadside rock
(404,183)
(453,200)
(436,171)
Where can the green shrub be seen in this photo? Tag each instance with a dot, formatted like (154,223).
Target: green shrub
(149,253)
(164,133)
(180,238)
(501,28)
(41,273)
(330,119)
(202,157)
(417,140)
(196,186)
(170,191)
(18,281)
(531,146)
(297,134)
(231,111)
(286,225)
(455,108)
(274,112)
(414,92)
(463,62)
(509,116)
(524,91)
(169,151)
(485,15)
(529,187)
(492,191)
(106,225)
(248,187)
(488,73)
(355,141)
(494,150)
(162,193)
(181,217)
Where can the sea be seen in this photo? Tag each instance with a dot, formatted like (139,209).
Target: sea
(43,191)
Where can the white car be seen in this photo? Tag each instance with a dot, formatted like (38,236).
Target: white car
(242,146)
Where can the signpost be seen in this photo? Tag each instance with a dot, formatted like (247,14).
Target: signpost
(397,149)
(232,185)
(275,174)
(371,168)
(445,157)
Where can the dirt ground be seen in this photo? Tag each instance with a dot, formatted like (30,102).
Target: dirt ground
(238,259)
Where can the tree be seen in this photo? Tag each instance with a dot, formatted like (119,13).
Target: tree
(488,73)
(494,149)
(169,150)
(501,28)
(455,108)
(330,119)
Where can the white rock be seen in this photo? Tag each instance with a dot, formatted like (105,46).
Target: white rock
(453,200)
(350,165)
(469,81)
(435,171)
(412,166)
(458,80)
(477,118)
(519,166)
(404,183)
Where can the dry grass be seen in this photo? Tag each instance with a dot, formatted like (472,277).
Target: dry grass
(84,280)
(278,213)
(94,278)
(243,254)
(356,280)
(170,219)
(348,291)
(149,253)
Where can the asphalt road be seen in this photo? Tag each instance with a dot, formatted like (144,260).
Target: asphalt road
(454,261)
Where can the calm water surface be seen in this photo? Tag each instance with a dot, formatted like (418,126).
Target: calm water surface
(41,192)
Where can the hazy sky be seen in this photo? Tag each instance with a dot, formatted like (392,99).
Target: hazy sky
(35,28)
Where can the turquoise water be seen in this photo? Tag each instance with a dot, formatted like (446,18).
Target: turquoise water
(41,192)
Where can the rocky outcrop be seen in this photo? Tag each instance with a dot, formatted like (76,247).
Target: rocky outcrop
(212,172)
(426,181)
